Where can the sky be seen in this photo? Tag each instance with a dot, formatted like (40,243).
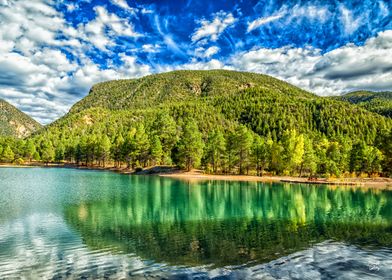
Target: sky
(52,52)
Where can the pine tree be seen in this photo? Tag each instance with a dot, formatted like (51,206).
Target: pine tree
(60,152)
(215,150)
(8,155)
(30,149)
(310,160)
(190,147)
(166,128)
(105,147)
(242,140)
(142,144)
(156,151)
(260,154)
(48,152)
(117,149)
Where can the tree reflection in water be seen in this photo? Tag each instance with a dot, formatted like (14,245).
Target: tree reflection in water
(229,223)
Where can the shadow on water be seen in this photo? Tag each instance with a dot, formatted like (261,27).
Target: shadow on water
(227,223)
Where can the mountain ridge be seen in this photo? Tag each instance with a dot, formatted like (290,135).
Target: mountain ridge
(378,102)
(183,85)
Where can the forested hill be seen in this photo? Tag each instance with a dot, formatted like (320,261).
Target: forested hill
(378,102)
(177,86)
(221,121)
(15,123)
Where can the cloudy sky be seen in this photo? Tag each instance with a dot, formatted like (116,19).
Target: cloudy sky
(51,52)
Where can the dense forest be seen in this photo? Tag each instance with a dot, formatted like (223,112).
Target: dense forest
(220,121)
(378,102)
(15,123)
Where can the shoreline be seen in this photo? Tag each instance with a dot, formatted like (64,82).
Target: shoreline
(197,175)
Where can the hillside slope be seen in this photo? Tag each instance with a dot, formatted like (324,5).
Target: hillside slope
(378,102)
(15,123)
(177,86)
(220,98)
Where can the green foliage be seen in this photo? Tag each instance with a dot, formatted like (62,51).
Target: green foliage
(48,151)
(156,150)
(7,154)
(215,150)
(378,102)
(190,147)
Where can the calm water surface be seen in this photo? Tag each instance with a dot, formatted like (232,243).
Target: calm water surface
(64,223)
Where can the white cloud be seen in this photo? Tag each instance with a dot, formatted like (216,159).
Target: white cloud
(151,48)
(105,26)
(196,65)
(36,75)
(349,23)
(146,11)
(122,4)
(206,53)
(261,21)
(214,28)
(72,7)
(296,13)
(347,68)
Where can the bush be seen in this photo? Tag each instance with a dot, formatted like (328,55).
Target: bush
(19,161)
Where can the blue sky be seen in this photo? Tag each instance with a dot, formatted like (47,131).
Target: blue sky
(52,52)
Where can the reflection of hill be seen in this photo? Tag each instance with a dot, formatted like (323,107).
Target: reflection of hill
(229,223)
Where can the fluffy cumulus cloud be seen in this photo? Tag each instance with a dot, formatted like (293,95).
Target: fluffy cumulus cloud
(37,73)
(52,52)
(212,29)
(343,69)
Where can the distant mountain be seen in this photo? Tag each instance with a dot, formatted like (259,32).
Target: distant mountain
(15,123)
(378,102)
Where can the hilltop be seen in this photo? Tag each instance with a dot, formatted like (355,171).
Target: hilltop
(15,123)
(178,86)
(378,102)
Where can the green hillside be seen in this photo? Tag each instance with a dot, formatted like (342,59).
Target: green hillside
(221,121)
(378,102)
(178,86)
(15,123)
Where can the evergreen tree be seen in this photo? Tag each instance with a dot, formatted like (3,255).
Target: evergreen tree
(215,150)
(30,149)
(310,160)
(242,140)
(190,147)
(260,154)
(105,147)
(48,152)
(8,155)
(357,157)
(59,152)
(156,151)
(117,149)
(142,144)
(166,128)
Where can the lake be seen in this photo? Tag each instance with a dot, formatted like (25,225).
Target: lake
(66,223)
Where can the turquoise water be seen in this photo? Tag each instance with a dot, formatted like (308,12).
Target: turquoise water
(65,223)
